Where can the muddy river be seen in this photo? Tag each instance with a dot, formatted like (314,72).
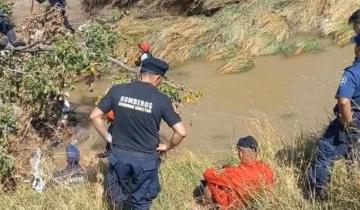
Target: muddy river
(295,94)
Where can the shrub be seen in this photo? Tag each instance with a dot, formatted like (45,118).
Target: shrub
(7,126)
(7,121)
(100,41)
(6,7)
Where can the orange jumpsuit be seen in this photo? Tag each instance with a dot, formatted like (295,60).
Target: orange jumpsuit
(235,185)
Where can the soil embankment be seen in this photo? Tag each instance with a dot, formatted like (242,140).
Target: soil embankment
(22,11)
(151,8)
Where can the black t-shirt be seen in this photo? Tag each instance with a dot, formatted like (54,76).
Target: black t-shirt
(138,109)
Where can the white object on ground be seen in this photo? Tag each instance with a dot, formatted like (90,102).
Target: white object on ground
(66,108)
(38,183)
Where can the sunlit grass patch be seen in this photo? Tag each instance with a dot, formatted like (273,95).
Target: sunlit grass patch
(179,177)
(58,198)
(181,171)
(237,65)
(300,46)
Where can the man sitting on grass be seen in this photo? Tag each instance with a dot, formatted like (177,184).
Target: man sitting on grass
(74,173)
(233,186)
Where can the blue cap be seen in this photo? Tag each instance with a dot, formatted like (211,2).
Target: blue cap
(247,142)
(154,66)
(356,39)
(72,153)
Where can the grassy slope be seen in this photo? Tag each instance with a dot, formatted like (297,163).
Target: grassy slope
(240,32)
(181,172)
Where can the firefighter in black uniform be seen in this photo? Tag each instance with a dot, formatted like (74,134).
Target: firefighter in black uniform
(61,5)
(138,107)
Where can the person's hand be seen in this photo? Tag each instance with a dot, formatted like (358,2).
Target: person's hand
(162,147)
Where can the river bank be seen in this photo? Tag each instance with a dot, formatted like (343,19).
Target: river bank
(283,101)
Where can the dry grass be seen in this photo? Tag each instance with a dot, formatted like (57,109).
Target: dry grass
(181,172)
(239,32)
(57,198)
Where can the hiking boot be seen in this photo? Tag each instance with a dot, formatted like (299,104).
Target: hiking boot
(3,43)
(19,43)
(317,194)
(199,192)
(11,35)
(68,25)
(320,194)
(106,153)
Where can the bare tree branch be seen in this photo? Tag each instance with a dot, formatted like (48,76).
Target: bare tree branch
(12,70)
(135,71)
(123,65)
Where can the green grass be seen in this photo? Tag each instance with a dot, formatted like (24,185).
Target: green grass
(311,46)
(299,46)
(285,50)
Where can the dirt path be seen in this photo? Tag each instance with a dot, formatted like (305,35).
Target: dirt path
(22,11)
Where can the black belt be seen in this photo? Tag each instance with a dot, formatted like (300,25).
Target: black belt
(132,153)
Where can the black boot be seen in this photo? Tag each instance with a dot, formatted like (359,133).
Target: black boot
(68,25)
(318,193)
(13,40)
(106,153)
(3,43)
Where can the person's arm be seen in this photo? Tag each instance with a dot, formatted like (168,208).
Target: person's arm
(344,105)
(177,137)
(174,121)
(97,118)
(346,90)
(97,115)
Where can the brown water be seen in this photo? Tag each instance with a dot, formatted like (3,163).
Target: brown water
(293,93)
